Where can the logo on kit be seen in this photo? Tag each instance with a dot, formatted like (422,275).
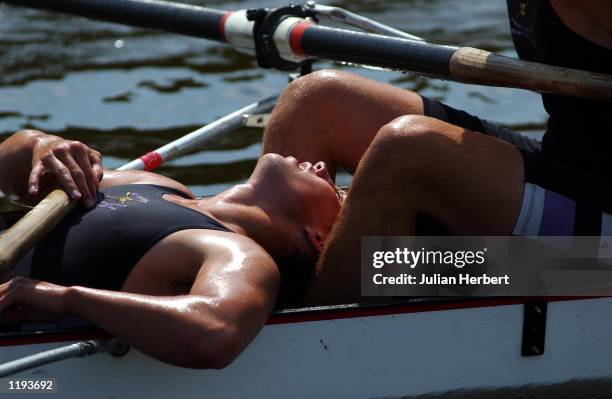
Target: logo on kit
(115,202)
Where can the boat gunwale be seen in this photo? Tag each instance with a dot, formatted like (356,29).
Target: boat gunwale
(305,315)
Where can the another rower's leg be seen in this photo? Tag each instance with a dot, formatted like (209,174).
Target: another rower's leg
(333,116)
(471,183)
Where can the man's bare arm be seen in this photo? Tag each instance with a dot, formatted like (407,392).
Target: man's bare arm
(229,302)
(232,296)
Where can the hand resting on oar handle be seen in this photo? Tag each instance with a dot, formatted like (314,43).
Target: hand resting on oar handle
(33,163)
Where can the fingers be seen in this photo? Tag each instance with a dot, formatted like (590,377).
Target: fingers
(34,179)
(59,169)
(95,159)
(77,174)
(76,167)
(81,157)
(72,164)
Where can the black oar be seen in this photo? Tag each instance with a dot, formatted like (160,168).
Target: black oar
(296,39)
(162,15)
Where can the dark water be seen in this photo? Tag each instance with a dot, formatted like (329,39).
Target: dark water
(126,91)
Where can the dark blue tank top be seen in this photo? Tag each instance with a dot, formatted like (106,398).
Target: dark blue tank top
(579,132)
(99,247)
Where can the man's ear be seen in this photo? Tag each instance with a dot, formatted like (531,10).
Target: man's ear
(316,238)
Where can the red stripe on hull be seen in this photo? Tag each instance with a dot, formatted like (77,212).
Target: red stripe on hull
(295,39)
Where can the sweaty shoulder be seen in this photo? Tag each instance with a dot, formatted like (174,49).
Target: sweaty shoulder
(224,247)
(121,177)
(199,255)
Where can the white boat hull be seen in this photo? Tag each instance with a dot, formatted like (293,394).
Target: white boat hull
(393,355)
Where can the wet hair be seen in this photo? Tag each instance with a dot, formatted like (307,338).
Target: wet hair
(296,268)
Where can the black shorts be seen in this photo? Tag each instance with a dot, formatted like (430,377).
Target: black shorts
(557,200)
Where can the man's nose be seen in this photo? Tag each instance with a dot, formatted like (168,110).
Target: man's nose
(321,169)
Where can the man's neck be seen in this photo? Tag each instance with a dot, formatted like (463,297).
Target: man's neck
(242,210)
(234,209)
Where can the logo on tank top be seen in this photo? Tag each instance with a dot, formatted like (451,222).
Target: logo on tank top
(519,16)
(520,25)
(522,9)
(115,202)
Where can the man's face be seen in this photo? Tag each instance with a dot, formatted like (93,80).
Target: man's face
(306,188)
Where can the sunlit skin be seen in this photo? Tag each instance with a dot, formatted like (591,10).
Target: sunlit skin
(208,306)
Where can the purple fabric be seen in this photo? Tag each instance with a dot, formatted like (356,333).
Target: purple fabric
(558,217)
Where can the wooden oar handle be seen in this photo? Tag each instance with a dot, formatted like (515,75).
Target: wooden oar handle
(471,65)
(19,239)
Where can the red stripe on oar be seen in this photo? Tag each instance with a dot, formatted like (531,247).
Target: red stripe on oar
(295,39)
(151,160)
(222,25)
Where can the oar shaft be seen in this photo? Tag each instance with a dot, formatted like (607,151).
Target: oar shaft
(373,49)
(17,241)
(79,349)
(471,65)
(464,64)
(178,18)
(189,142)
